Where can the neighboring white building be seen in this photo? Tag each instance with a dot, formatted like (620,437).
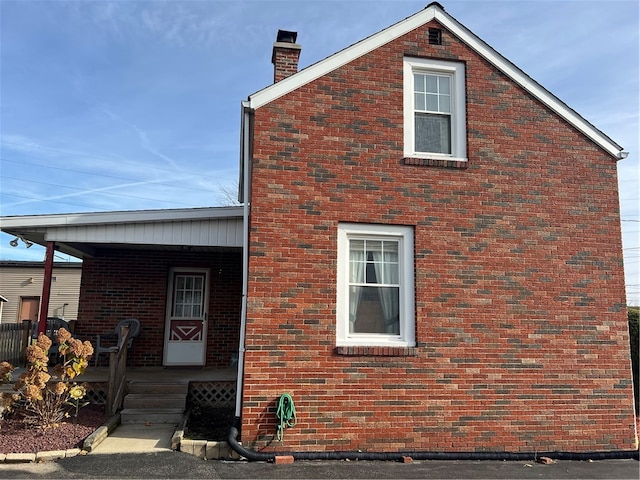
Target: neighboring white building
(21,287)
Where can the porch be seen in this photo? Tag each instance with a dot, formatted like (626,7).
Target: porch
(207,386)
(178,272)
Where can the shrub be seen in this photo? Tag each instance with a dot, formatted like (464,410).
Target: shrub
(5,377)
(42,399)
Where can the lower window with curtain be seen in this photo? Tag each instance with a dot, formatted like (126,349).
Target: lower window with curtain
(375,285)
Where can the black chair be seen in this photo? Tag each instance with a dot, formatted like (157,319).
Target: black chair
(107,342)
(53,325)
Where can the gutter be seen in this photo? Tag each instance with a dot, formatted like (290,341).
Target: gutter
(245,156)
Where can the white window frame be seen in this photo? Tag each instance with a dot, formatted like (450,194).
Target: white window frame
(404,236)
(456,71)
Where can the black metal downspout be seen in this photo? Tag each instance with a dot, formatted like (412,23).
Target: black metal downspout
(268,457)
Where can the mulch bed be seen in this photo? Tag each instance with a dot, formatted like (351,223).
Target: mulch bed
(16,437)
(208,423)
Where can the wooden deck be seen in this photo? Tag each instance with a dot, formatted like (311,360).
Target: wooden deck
(207,386)
(164,374)
(152,374)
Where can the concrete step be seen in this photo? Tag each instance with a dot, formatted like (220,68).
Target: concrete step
(151,415)
(147,400)
(157,387)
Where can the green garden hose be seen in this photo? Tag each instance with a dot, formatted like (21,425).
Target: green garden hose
(286,414)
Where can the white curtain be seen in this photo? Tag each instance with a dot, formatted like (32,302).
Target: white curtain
(389,296)
(356,273)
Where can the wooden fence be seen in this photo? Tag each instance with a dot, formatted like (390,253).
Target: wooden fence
(14,339)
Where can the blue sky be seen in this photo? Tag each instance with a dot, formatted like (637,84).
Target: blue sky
(124,105)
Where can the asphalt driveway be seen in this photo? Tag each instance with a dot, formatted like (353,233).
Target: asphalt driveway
(170,464)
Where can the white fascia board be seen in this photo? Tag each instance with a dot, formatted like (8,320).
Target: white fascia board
(139,216)
(340,58)
(528,83)
(432,12)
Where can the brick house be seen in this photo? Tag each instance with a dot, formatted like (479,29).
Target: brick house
(428,258)
(435,257)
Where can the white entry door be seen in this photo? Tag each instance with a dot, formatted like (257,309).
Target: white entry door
(185,340)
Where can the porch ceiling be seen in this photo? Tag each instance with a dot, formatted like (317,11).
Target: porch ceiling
(177,230)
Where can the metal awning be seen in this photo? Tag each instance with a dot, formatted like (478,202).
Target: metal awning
(81,234)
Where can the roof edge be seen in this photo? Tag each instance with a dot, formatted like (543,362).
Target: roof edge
(434,11)
(91,218)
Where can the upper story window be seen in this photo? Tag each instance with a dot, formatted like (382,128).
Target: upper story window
(375,304)
(434,109)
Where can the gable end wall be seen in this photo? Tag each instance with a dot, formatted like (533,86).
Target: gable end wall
(522,339)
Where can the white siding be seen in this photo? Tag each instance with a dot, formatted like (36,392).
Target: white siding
(15,283)
(224,232)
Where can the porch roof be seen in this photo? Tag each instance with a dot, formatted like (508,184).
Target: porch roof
(81,234)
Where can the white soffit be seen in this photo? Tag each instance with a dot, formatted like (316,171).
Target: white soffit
(204,233)
(217,226)
(132,216)
(434,12)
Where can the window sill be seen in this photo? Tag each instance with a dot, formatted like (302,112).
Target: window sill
(378,351)
(457,163)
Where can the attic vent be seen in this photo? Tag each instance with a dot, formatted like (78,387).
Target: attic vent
(435,36)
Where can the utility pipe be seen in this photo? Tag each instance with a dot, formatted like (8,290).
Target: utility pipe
(254,456)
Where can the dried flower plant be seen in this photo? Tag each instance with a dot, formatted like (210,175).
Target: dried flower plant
(6,399)
(39,401)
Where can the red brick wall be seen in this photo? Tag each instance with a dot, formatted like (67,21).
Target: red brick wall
(285,62)
(522,339)
(118,284)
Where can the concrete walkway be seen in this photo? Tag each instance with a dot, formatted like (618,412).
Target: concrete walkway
(137,438)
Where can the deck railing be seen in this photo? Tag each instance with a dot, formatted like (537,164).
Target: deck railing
(117,373)
(14,340)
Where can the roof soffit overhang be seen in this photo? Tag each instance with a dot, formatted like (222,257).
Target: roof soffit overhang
(69,231)
(435,12)
(119,217)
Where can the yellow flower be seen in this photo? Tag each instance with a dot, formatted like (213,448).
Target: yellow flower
(77,392)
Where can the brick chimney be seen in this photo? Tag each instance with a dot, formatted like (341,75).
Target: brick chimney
(286,53)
